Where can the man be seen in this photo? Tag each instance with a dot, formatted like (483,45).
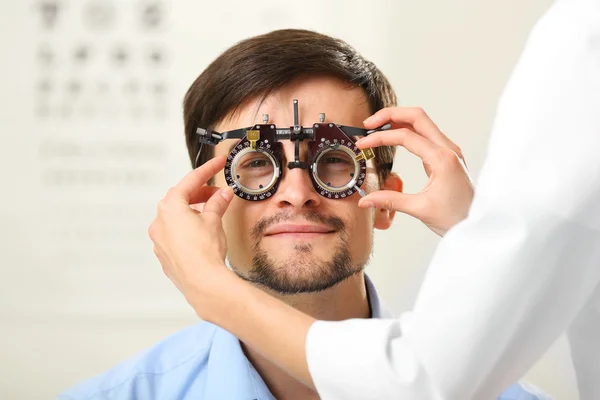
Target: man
(303,248)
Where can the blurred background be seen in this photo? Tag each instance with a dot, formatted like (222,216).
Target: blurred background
(90,117)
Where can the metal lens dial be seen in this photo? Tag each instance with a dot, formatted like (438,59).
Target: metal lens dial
(254,171)
(253,167)
(336,169)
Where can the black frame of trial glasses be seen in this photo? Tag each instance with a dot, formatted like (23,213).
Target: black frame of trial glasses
(266,138)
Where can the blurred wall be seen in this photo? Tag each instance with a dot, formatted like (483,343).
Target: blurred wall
(92,137)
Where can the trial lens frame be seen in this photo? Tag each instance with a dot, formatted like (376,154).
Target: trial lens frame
(266,138)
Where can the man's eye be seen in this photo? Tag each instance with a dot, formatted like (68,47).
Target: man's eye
(257,164)
(334,160)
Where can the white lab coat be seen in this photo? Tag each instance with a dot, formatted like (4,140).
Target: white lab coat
(523,268)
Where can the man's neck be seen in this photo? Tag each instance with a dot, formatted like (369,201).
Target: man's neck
(344,301)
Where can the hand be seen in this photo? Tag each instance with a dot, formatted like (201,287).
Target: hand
(446,198)
(192,245)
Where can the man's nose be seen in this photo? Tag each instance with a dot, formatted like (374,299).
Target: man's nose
(296,188)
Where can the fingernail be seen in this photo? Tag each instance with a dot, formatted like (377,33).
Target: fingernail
(366,121)
(226,193)
(366,204)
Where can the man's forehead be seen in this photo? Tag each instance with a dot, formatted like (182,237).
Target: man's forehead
(339,100)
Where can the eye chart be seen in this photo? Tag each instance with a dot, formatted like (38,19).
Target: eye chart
(98,116)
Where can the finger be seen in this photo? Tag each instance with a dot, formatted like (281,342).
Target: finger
(190,188)
(219,202)
(413,116)
(392,200)
(418,119)
(413,142)
(202,195)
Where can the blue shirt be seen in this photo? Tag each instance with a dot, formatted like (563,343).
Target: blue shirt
(206,362)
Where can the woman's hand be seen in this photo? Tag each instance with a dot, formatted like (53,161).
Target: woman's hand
(446,198)
(191,244)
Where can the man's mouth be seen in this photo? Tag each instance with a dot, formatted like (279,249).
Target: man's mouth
(304,231)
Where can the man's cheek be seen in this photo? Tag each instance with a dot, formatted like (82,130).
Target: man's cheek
(232,220)
(363,220)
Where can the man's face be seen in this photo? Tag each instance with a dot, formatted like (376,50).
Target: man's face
(297,241)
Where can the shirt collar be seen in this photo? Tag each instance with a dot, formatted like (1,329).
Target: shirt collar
(230,373)
(378,309)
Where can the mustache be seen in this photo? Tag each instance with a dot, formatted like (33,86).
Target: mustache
(335,223)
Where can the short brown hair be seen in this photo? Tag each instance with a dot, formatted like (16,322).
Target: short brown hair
(263,64)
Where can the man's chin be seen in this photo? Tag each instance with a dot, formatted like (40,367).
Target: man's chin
(290,266)
(299,253)
(299,278)
(283,245)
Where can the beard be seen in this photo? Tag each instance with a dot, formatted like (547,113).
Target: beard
(301,273)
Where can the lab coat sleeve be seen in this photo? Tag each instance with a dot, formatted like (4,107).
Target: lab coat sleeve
(523,267)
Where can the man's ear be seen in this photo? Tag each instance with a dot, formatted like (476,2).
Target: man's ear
(384,217)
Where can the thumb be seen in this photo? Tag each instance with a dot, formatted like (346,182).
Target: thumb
(391,200)
(219,202)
